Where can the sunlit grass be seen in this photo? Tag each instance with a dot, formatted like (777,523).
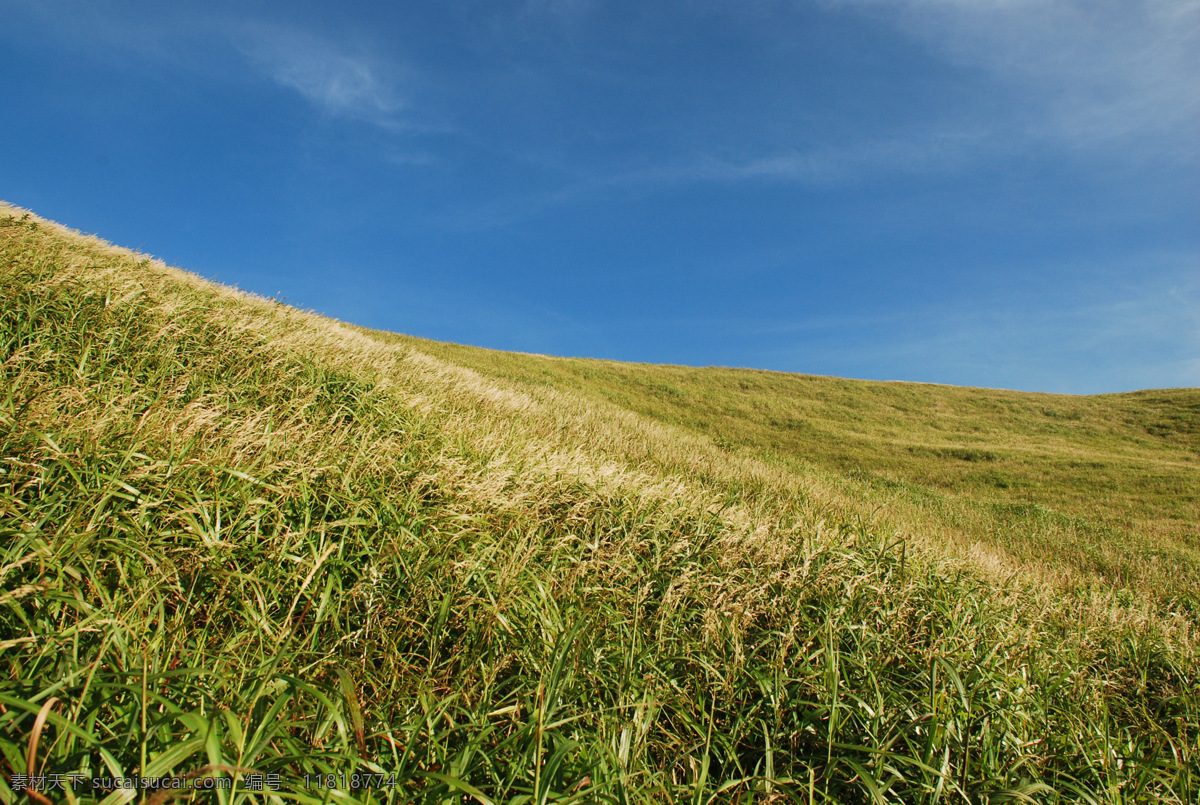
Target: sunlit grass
(236,538)
(1102,488)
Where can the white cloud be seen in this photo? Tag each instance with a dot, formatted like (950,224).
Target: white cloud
(925,154)
(1093,73)
(337,79)
(1116,80)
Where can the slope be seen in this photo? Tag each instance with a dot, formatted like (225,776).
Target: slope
(239,539)
(1101,491)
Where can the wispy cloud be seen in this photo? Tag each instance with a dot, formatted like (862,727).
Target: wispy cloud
(1105,79)
(1093,73)
(817,166)
(930,152)
(338,76)
(338,79)
(1113,336)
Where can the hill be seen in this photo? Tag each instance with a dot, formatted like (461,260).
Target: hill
(238,539)
(1100,488)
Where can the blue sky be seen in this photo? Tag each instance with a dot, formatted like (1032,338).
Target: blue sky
(998,193)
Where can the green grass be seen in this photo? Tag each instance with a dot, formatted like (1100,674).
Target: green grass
(1106,487)
(236,538)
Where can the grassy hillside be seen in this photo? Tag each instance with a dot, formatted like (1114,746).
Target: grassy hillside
(1099,489)
(236,538)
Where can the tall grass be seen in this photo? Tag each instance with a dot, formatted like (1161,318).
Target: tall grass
(1101,490)
(240,539)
